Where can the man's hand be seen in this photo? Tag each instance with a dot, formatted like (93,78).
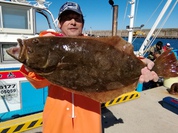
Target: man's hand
(146,74)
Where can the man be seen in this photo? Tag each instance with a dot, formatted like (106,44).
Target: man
(155,51)
(167,47)
(66,112)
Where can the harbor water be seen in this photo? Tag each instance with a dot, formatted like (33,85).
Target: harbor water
(138,42)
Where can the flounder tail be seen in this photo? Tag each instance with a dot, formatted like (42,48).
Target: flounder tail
(166,65)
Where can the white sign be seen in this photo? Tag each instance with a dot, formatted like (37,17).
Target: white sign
(8,89)
(10,95)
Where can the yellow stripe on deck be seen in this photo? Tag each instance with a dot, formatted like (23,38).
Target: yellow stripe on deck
(123,98)
(21,124)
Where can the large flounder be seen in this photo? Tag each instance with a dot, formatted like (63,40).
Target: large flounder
(99,68)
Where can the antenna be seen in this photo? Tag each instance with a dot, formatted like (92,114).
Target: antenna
(42,4)
(41,1)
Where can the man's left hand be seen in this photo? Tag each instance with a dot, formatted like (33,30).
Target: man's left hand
(146,73)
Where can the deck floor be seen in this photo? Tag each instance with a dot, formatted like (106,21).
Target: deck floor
(142,115)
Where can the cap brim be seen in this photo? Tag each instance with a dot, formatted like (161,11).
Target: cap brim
(73,10)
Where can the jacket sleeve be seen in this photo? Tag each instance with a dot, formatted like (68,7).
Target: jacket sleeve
(34,79)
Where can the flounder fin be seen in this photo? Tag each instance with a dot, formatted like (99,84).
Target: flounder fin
(119,43)
(106,96)
(166,65)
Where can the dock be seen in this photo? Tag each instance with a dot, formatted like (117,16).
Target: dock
(141,115)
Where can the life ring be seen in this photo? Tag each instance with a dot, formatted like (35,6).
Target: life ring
(174,89)
(169,81)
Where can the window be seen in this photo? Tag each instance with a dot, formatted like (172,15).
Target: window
(16,19)
(39,20)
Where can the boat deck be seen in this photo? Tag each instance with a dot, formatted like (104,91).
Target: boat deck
(142,115)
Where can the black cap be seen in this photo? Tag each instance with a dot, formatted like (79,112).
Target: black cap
(70,6)
(159,43)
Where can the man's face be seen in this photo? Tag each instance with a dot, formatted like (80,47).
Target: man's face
(158,47)
(71,23)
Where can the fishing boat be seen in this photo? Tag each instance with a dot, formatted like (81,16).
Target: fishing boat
(149,39)
(148,42)
(18,19)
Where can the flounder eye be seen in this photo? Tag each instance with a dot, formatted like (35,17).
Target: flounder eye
(35,41)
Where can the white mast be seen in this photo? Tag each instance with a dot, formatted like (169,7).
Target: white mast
(147,39)
(132,12)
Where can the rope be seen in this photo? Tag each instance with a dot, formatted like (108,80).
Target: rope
(152,40)
(169,14)
(154,12)
(157,33)
(123,22)
(136,11)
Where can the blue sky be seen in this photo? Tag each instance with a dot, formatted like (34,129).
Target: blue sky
(98,13)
